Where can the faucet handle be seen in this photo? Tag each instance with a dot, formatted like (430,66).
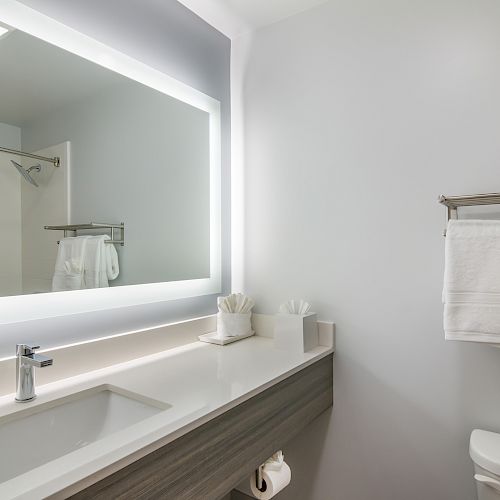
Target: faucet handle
(26,349)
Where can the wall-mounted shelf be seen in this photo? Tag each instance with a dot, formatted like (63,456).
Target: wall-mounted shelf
(470,200)
(74,228)
(452,203)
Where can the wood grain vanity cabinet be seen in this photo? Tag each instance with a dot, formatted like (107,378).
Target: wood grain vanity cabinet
(209,461)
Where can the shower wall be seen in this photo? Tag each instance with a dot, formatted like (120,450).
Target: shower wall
(45,205)
(10,215)
(27,251)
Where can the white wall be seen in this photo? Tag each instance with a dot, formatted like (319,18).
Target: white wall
(10,214)
(357,115)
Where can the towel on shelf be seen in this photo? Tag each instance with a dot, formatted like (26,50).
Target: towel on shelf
(100,262)
(85,262)
(69,269)
(471,292)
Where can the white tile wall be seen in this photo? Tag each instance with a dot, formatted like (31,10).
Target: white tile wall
(10,214)
(46,205)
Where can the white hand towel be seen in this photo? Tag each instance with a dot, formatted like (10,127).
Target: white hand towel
(112,265)
(68,273)
(471,292)
(101,262)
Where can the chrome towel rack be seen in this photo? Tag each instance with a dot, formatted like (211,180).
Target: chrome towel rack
(74,228)
(452,203)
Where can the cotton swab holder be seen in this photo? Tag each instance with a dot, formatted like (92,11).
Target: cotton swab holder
(296,332)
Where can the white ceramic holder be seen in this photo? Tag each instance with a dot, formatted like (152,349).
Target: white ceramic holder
(230,328)
(296,332)
(233,324)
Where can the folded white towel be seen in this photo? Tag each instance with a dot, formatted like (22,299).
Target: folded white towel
(235,303)
(100,262)
(85,262)
(471,292)
(112,266)
(68,273)
(234,316)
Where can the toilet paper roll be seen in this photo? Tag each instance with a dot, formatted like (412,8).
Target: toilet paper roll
(275,481)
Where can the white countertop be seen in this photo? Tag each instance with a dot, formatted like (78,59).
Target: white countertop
(200,381)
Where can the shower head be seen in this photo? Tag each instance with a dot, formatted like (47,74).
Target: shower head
(26,173)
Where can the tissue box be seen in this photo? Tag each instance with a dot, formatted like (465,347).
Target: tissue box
(296,332)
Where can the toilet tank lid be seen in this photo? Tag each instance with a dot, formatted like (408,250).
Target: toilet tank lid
(484,450)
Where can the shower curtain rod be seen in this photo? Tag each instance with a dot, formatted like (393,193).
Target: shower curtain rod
(56,160)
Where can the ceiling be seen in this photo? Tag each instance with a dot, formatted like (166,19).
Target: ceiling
(235,17)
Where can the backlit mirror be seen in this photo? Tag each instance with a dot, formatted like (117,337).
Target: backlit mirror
(81,144)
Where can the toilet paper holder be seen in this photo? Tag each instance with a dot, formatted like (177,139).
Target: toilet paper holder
(268,479)
(275,463)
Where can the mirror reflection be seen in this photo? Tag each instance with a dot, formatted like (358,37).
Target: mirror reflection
(103,181)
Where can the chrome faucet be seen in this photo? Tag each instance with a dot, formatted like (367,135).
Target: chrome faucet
(26,362)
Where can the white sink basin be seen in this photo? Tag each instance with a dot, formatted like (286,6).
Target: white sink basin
(37,435)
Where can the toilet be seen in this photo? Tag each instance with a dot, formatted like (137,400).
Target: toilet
(485,453)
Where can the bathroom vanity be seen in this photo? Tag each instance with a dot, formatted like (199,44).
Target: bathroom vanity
(189,422)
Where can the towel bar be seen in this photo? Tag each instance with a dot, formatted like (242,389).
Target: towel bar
(453,202)
(93,225)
